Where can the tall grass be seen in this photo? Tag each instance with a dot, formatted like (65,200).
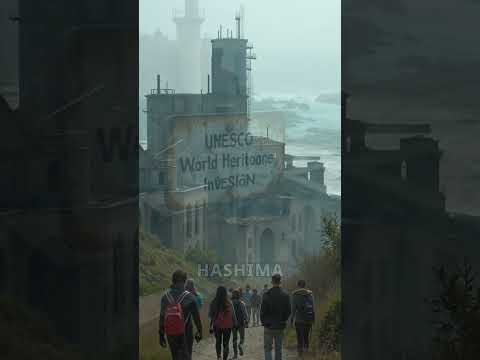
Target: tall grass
(322,273)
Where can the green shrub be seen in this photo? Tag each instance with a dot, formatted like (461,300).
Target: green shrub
(329,329)
(457,312)
(322,273)
(199,256)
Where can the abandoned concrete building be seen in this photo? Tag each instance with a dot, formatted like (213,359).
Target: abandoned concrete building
(275,224)
(395,229)
(68,218)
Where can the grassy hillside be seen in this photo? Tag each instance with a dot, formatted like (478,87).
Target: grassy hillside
(157,263)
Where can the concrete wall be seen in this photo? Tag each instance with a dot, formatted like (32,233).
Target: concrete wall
(229,62)
(160,107)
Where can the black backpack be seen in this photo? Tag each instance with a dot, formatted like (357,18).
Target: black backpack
(237,306)
(308,309)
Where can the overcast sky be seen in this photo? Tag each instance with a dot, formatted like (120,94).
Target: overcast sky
(297,43)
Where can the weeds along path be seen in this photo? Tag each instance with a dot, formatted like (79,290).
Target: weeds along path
(149,308)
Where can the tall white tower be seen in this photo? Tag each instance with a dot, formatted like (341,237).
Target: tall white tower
(189,48)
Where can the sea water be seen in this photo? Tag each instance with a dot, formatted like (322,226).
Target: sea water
(314,132)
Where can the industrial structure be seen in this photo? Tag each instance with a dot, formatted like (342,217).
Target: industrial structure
(226,91)
(277,222)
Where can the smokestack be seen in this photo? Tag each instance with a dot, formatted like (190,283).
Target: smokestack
(191,8)
(237,19)
(158,84)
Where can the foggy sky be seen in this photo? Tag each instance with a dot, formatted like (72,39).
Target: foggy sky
(297,43)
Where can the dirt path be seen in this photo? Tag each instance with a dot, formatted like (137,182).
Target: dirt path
(205,350)
(149,308)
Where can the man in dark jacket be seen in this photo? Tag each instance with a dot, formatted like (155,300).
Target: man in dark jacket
(177,294)
(274,313)
(255,303)
(303,315)
(247,299)
(242,322)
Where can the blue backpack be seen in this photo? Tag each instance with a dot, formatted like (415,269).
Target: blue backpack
(199,300)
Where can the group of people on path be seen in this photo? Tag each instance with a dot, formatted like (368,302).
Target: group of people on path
(230,313)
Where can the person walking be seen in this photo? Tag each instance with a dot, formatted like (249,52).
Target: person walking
(303,316)
(177,309)
(274,313)
(255,306)
(190,286)
(242,322)
(247,299)
(222,321)
(264,290)
(240,291)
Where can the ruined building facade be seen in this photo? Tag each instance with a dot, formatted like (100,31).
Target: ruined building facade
(278,224)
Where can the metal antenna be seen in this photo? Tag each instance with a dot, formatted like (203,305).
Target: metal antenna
(237,19)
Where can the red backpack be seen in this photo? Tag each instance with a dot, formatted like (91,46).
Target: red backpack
(174,320)
(224,319)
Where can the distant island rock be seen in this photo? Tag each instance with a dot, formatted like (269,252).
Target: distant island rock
(329,99)
(276,104)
